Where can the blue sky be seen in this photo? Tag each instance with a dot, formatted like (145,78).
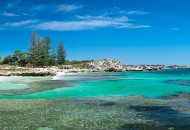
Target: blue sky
(133,31)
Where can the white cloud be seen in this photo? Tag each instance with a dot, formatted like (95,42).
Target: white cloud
(137,12)
(68,8)
(8,14)
(88,22)
(134,26)
(21,23)
(101,17)
(118,11)
(88,17)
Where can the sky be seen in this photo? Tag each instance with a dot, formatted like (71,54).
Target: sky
(132,31)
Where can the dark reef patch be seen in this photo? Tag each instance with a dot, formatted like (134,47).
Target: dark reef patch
(151,127)
(107,104)
(155,111)
(165,115)
(177,96)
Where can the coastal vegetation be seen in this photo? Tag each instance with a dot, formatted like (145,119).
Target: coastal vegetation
(40,54)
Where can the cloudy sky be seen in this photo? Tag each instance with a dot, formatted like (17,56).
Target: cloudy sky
(133,31)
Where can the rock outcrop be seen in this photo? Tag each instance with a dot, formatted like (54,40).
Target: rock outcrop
(144,67)
(112,65)
(107,65)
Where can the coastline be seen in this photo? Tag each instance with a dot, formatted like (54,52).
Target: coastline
(106,65)
(55,71)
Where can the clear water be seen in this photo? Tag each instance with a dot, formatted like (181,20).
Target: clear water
(12,86)
(148,84)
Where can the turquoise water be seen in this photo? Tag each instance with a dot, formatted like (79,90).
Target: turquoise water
(148,84)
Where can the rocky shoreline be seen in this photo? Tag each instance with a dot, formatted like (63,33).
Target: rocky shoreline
(106,65)
(49,71)
(112,65)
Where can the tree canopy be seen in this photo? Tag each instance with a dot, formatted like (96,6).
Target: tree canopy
(19,58)
(1,59)
(61,54)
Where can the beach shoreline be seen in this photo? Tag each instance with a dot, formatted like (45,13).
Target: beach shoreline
(106,65)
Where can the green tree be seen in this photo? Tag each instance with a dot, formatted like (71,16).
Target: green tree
(61,54)
(53,57)
(1,59)
(45,51)
(18,58)
(35,38)
(34,48)
(40,50)
(21,58)
(9,60)
(39,54)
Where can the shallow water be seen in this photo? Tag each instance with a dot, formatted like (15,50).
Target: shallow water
(148,84)
(113,113)
(12,86)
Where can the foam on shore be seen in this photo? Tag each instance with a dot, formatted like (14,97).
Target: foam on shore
(58,74)
(3,78)
(61,74)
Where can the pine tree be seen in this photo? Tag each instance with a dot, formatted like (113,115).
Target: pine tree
(39,50)
(53,57)
(35,38)
(1,59)
(45,51)
(34,49)
(61,54)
